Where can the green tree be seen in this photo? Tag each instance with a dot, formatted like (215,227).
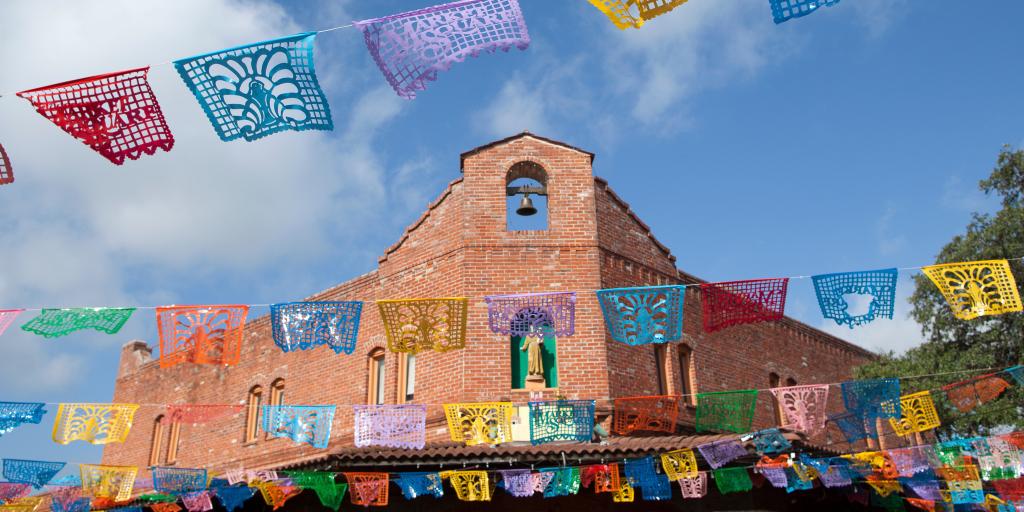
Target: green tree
(985,342)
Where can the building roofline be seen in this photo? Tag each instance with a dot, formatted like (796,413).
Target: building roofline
(524,133)
(603,183)
(524,453)
(422,218)
(688,278)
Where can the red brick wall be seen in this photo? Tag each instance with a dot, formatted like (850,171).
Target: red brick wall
(426,263)
(460,247)
(561,258)
(740,357)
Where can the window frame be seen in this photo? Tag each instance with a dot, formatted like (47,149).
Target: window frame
(775,381)
(173,438)
(253,403)
(661,368)
(276,398)
(687,375)
(277,392)
(375,379)
(406,379)
(156,441)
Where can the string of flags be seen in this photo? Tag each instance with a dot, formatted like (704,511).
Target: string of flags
(255,90)
(490,423)
(213,334)
(977,470)
(252,91)
(942,475)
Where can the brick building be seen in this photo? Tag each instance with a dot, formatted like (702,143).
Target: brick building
(461,246)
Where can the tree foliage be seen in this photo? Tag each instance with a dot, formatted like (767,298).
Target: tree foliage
(986,342)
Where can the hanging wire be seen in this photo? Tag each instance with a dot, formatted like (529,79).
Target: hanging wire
(602,400)
(481,301)
(582,291)
(393,476)
(169,62)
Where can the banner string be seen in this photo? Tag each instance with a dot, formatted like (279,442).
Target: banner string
(512,461)
(339,27)
(692,285)
(890,434)
(611,400)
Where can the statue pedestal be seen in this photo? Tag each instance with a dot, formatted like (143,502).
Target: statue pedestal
(534,382)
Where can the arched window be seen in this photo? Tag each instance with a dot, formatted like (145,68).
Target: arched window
(172,443)
(252,413)
(541,347)
(276,397)
(277,392)
(525,185)
(790,382)
(687,373)
(775,381)
(375,379)
(156,441)
(406,378)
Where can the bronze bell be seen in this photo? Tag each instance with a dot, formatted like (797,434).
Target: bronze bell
(526,207)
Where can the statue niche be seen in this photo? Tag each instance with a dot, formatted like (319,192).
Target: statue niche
(538,346)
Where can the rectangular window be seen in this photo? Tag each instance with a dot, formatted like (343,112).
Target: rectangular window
(774,381)
(406,387)
(375,384)
(410,377)
(686,371)
(380,381)
(252,413)
(276,397)
(659,362)
(172,443)
(156,446)
(277,392)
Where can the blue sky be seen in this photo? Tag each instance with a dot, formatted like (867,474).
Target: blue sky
(850,139)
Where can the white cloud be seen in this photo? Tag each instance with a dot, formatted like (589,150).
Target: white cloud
(407,179)
(206,202)
(899,334)
(653,74)
(881,335)
(43,260)
(648,73)
(80,231)
(697,46)
(32,367)
(516,108)
(550,92)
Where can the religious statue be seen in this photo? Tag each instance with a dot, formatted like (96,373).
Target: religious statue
(535,365)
